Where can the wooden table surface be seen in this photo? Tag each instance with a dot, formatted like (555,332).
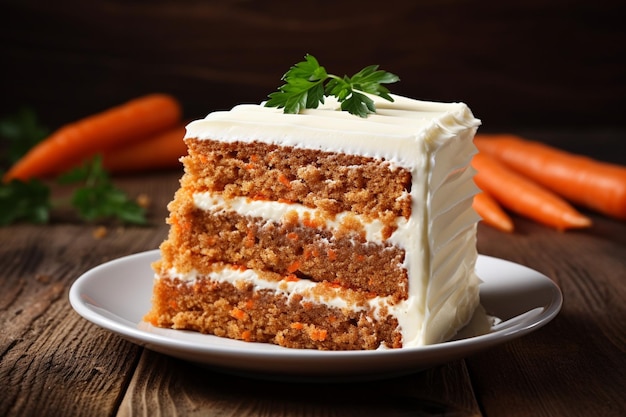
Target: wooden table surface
(55,363)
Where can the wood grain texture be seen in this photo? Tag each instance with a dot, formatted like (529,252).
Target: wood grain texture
(53,362)
(166,386)
(584,348)
(516,63)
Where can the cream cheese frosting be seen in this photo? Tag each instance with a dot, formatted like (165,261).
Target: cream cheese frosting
(433,141)
(397,131)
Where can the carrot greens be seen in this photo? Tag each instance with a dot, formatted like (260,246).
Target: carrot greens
(19,132)
(97,198)
(307,82)
(27,201)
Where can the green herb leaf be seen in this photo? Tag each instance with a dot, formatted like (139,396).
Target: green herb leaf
(304,88)
(359,104)
(21,131)
(97,198)
(24,201)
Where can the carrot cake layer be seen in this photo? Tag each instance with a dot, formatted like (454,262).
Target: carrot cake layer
(330,181)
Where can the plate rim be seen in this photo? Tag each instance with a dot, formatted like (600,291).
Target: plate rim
(183,348)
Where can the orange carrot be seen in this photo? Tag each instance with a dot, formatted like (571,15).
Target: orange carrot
(158,152)
(523,196)
(491,212)
(590,183)
(82,139)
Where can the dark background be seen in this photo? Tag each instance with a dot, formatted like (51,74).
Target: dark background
(518,64)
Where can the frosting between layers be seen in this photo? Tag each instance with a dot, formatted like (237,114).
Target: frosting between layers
(276,211)
(289,288)
(379,307)
(433,141)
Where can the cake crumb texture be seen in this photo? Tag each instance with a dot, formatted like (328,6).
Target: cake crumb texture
(329,181)
(240,313)
(198,239)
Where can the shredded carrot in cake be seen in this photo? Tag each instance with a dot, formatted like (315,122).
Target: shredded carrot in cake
(249,242)
(297,325)
(318,335)
(239,267)
(183,225)
(246,335)
(238,313)
(292,236)
(332,255)
(284,180)
(293,267)
(285,201)
(254,157)
(291,278)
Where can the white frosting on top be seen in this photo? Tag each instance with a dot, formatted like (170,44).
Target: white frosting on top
(433,141)
(398,131)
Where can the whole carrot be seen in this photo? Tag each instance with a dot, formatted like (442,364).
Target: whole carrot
(82,139)
(155,152)
(590,183)
(523,196)
(491,212)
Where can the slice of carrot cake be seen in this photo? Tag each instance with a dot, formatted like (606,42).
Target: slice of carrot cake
(323,229)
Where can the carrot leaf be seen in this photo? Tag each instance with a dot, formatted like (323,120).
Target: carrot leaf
(97,198)
(304,88)
(24,201)
(19,132)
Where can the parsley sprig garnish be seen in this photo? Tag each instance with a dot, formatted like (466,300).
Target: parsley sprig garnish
(307,83)
(94,196)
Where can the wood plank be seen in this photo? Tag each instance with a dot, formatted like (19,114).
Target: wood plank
(174,387)
(53,362)
(574,366)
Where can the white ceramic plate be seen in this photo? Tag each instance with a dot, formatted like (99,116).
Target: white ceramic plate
(116,295)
